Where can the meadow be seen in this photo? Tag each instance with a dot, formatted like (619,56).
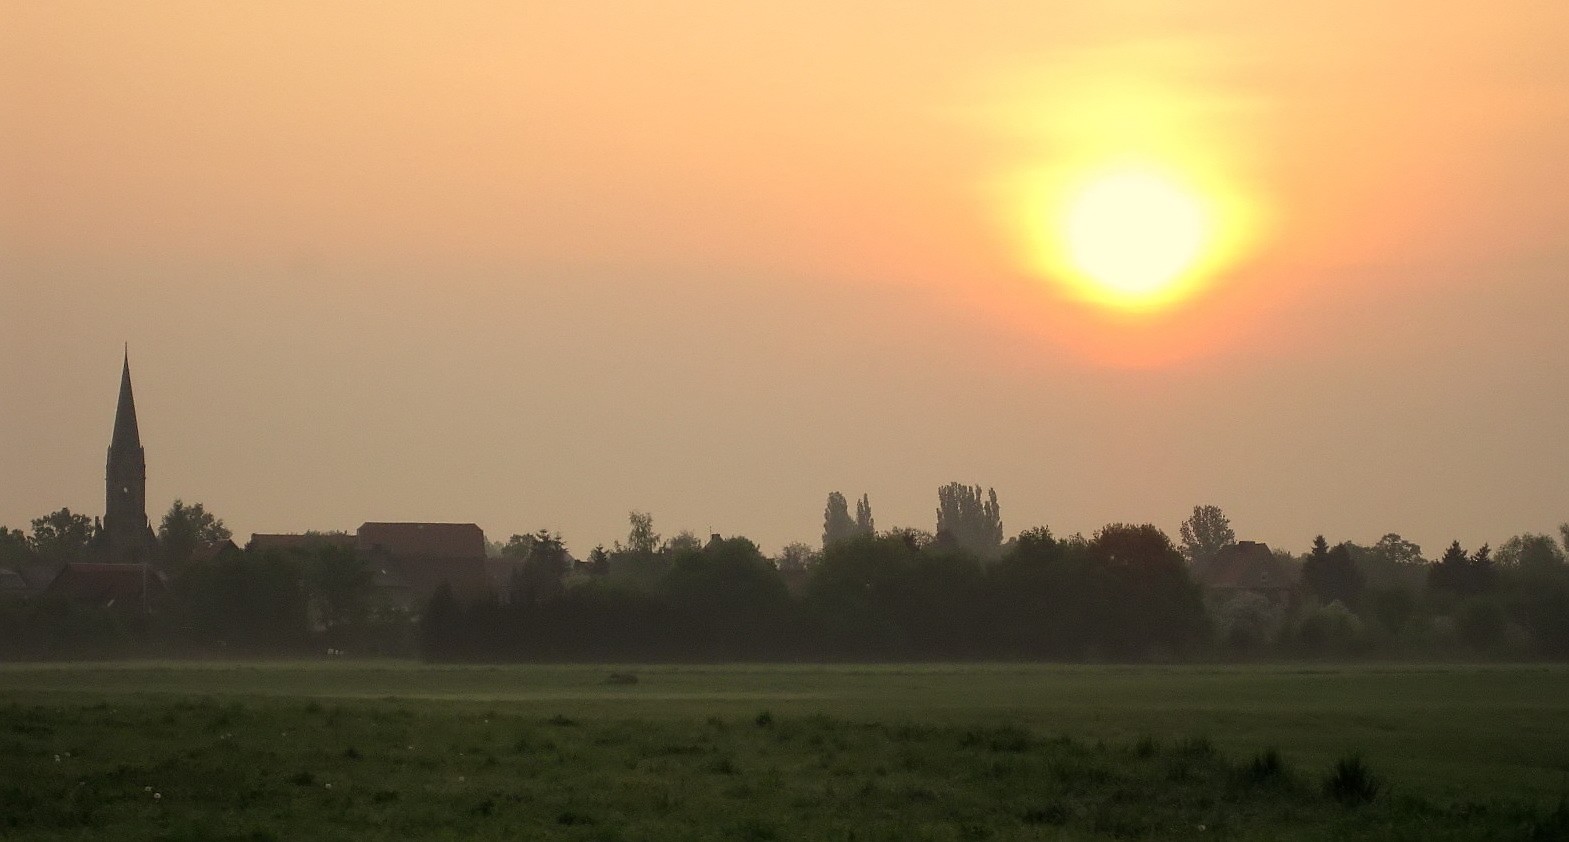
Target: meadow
(364,749)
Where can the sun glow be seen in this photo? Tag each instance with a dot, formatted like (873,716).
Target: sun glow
(1133,234)
(1144,192)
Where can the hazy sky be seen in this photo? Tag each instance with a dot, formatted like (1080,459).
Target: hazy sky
(538,264)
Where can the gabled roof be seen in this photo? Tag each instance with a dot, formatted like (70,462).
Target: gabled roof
(38,574)
(434,540)
(108,585)
(1247,565)
(11,582)
(207,552)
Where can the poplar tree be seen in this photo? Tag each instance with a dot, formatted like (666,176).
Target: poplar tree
(968,519)
(863,516)
(837,525)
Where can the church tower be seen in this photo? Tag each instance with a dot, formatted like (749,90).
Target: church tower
(126,535)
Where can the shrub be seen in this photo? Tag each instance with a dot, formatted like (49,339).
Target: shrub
(1330,629)
(1247,621)
(1352,783)
(1481,623)
(1265,768)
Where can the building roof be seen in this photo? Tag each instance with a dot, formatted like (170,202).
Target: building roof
(1247,565)
(108,585)
(207,552)
(432,540)
(38,573)
(12,583)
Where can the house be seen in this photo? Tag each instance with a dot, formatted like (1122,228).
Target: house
(411,561)
(127,587)
(408,561)
(1248,566)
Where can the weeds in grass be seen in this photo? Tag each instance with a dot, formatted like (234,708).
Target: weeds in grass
(765,720)
(1352,783)
(662,778)
(1553,826)
(1265,768)
(1196,747)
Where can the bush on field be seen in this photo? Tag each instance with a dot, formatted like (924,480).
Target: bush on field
(1331,629)
(1247,621)
(1351,782)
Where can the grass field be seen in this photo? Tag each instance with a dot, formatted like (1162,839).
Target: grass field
(336,750)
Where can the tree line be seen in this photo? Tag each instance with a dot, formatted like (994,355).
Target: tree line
(959,591)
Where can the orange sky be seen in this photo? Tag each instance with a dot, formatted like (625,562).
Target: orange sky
(540,266)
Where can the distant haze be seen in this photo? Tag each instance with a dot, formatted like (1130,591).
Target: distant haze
(536,266)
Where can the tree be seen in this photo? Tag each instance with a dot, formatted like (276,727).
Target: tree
(1204,534)
(538,580)
(598,560)
(797,557)
(1393,549)
(728,585)
(968,520)
(185,527)
(1142,591)
(1563,535)
(863,516)
(1455,572)
(14,547)
(518,547)
(1531,552)
(837,525)
(1331,574)
(441,626)
(1320,549)
(1483,569)
(62,536)
(641,538)
(684,541)
(339,582)
(246,602)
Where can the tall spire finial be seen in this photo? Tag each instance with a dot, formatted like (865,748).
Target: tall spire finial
(125,431)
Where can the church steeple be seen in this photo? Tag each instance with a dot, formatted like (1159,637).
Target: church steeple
(126,534)
(126,435)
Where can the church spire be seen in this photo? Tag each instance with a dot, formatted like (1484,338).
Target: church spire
(126,534)
(126,435)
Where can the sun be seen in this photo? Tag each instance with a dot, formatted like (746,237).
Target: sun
(1133,238)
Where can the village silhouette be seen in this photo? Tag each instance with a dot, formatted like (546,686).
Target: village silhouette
(115,584)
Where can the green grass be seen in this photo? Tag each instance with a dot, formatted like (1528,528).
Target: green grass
(885,752)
